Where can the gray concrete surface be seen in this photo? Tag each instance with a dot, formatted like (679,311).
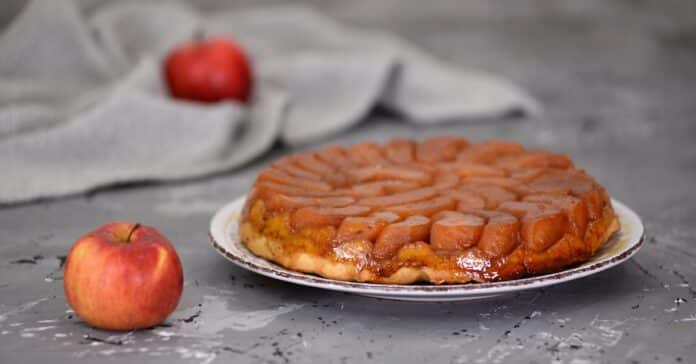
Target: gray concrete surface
(618,79)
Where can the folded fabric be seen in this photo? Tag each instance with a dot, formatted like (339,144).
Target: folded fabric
(83,103)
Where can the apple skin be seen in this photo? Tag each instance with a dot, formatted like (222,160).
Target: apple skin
(209,70)
(123,277)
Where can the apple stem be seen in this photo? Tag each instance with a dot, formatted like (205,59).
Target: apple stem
(132,230)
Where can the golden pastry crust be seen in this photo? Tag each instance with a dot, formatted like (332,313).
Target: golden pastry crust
(440,211)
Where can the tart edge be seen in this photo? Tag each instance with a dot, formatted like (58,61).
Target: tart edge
(272,249)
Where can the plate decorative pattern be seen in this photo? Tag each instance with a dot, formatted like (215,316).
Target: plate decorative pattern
(620,247)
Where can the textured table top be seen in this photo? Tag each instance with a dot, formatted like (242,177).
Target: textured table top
(618,80)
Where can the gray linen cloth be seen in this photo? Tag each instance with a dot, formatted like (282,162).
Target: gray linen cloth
(83,104)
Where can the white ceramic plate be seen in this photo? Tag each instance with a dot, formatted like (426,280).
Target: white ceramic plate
(622,245)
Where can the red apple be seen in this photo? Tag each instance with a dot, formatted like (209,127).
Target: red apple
(123,276)
(209,70)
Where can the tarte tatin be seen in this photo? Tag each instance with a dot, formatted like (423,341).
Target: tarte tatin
(442,211)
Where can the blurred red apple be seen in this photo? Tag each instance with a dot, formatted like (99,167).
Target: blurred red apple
(123,276)
(209,70)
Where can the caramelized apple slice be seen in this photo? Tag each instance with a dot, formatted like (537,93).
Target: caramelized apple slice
(366,154)
(568,250)
(334,156)
(399,198)
(316,217)
(365,228)
(456,231)
(286,164)
(574,182)
(574,207)
(394,236)
(382,187)
(500,236)
(465,170)
(400,151)
(445,181)
(528,174)
(266,188)
(567,175)
(542,225)
(535,159)
(546,188)
(311,163)
(493,195)
(281,202)
(419,253)
(444,214)
(595,197)
(505,182)
(377,172)
(488,151)
(466,200)
(439,149)
(425,207)
(278,176)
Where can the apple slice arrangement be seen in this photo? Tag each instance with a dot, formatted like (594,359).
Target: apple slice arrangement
(127,276)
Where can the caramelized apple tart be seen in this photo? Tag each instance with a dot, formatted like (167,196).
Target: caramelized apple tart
(443,210)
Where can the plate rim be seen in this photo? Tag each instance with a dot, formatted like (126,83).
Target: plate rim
(425,290)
